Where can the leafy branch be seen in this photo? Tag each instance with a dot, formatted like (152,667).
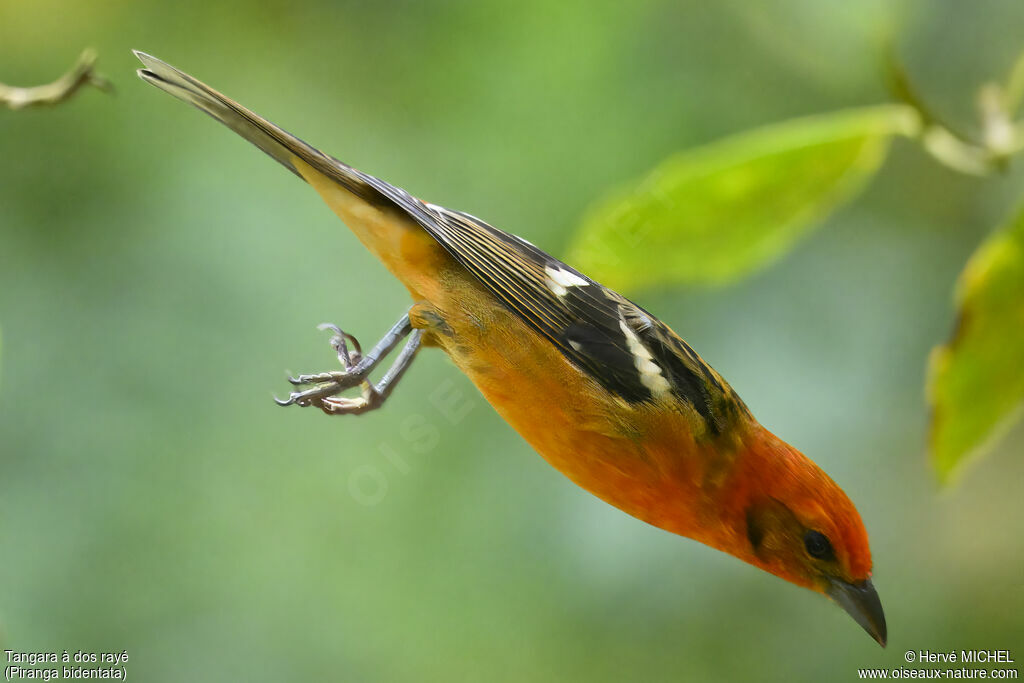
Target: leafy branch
(1001,137)
(81,74)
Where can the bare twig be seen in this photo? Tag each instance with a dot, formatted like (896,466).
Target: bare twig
(81,74)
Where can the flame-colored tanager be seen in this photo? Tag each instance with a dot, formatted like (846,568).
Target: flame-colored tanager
(602,389)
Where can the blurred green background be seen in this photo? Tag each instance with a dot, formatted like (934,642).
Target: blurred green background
(158,275)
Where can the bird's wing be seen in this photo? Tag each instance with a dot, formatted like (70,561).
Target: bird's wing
(616,342)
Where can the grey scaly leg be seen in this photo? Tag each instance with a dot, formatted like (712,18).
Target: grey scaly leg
(357,367)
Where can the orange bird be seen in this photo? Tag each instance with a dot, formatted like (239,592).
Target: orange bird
(603,390)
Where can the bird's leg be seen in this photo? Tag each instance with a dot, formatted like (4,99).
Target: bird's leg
(357,367)
(374,395)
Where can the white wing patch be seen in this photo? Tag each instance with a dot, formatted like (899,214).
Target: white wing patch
(650,373)
(559,281)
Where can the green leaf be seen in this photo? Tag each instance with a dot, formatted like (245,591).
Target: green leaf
(715,213)
(976,381)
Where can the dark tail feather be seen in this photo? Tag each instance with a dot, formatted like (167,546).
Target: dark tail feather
(276,142)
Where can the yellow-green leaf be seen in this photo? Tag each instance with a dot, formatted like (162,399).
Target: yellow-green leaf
(976,381)
(715,213)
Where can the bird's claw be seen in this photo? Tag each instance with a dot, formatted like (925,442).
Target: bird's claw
(346,357)
(340,377)
(328,384)
(315,395)
(321,390)
(370,399)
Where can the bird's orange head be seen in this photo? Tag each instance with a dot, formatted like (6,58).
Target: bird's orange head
(800,526)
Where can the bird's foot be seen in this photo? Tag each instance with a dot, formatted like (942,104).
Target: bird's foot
(325,384)
(321,389)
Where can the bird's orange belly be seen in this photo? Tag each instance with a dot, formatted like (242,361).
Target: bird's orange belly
(565,416)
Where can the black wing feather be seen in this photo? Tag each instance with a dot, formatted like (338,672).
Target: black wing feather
(585,323)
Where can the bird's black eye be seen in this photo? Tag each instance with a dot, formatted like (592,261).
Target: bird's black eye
(817,545)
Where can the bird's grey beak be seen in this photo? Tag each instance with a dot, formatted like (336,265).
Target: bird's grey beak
(860,600)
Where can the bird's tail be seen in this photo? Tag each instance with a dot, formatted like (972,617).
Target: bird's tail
(275,141)
(382,216)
